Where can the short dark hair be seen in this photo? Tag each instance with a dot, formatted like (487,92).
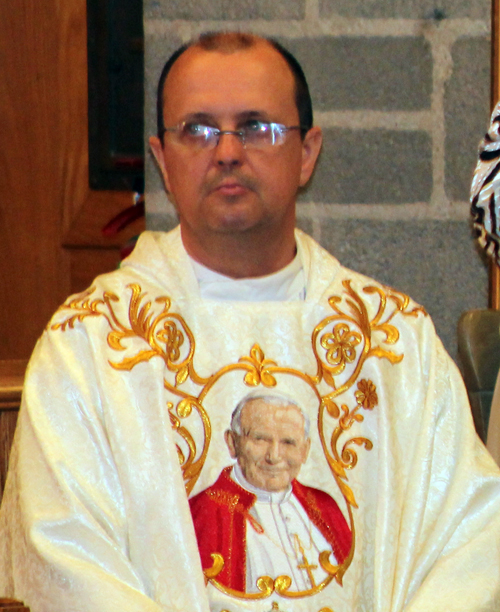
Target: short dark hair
(229,42)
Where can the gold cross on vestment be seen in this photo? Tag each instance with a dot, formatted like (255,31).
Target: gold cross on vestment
(305,563)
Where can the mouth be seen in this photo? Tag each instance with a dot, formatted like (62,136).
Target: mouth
(273,472)
(231,184)
(231,188)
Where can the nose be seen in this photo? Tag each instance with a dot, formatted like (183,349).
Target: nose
(229,151)
(273,454)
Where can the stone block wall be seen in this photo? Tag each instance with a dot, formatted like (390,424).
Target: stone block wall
(402,91)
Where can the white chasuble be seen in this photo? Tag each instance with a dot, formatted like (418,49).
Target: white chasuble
(119,497)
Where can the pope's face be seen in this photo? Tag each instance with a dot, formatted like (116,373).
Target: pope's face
(272,446)
(232,189)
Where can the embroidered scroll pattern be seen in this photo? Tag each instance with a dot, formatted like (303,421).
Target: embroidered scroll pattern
(341,344)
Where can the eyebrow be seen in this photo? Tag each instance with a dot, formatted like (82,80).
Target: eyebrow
(253,114)
(202,117)
(199,118)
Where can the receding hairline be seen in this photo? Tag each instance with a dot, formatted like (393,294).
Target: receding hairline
(226,43)
(232,42)
(271,402)
(277,401)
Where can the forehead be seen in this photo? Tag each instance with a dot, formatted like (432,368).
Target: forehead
(263,414)
(217,83)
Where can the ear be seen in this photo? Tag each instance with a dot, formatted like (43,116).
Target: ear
(311,146)
(231,443)
(157,150)
(307,449)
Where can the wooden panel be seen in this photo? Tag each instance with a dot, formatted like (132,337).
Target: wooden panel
(85,266)
(494,271)
(46,206)
(85,211)
(495,52)
(35,112)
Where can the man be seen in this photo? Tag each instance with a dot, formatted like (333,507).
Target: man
(274,524)
(124,402)
(233,197)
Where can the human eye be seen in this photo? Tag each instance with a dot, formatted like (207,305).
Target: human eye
(262,133)
(259,438)
(254,128)
(255,125)
(194,132)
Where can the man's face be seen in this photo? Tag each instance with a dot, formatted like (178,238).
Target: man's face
(272,446)
(230,189)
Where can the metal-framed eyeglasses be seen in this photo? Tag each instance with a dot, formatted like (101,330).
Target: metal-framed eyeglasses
(252,135)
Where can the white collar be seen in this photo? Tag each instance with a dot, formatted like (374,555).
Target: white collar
(262,496)
(286,285)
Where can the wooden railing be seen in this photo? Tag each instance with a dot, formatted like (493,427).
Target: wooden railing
(11,605)
(11,384)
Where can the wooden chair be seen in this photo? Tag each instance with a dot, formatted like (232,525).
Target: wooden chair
(479,353)
(11,383)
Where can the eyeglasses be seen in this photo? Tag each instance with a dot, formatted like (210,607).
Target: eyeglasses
(253,134)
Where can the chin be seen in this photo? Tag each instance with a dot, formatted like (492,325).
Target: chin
(235,216)
(233,225)
(274,487)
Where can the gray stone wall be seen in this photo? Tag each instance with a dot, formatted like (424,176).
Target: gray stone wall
(401,89)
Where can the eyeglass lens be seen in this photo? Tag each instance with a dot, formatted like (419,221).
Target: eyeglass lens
(255,134)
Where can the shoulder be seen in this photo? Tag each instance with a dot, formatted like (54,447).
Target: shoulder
(330,281)
(224,492)
(144,284)
(310,495)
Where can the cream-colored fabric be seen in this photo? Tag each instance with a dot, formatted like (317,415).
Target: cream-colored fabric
(95,515)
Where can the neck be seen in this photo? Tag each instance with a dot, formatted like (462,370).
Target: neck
(241,255)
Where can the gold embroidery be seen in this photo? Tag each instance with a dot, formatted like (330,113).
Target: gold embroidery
(305,564)
(217,567)
(276,608)
(366,395)
(258,371)
(340,346)
(224,498)
(341,343)
(352,313)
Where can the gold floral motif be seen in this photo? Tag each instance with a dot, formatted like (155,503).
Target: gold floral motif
(366,395)
(352,314)
(341,344)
